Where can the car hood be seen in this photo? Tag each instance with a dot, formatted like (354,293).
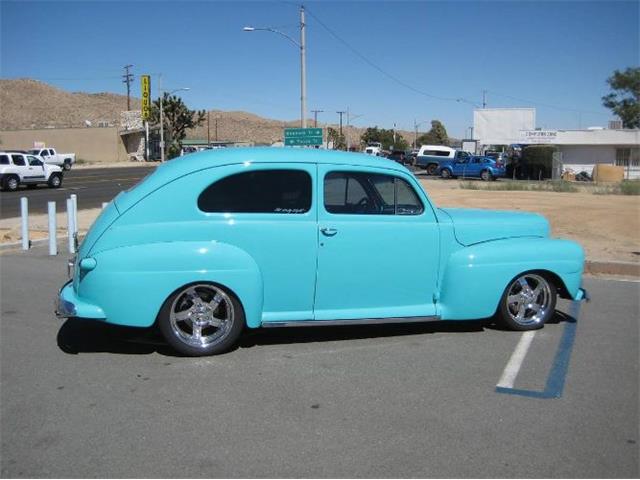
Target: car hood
(475,225)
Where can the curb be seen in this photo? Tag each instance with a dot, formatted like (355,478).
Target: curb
(628,269)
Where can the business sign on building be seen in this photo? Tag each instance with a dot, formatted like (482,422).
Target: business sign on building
(302,136)
(538,136)
(145,87)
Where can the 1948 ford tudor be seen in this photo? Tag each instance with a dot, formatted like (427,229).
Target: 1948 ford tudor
(266,237)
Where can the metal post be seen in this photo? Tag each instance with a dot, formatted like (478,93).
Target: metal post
(415,134)
(70,228)
(303,71)
(24,214)
(53,245)
(74,204)
(146,140)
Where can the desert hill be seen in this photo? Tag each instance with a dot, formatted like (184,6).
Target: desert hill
(31,104)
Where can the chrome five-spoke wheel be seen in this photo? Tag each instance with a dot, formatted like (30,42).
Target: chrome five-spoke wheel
(529,301)
(201,319)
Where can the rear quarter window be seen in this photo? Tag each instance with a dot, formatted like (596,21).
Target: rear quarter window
(260,191)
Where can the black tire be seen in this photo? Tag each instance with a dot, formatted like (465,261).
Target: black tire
(445,173)
(177,335)
(10,183)
(66,165)
(431,169)
(506,314)
(55,180)
(486,175)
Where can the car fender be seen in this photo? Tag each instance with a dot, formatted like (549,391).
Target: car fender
(475,277)
(132,284)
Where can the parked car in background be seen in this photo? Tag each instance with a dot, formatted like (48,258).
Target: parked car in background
(474,166)
(261,237)
(373,150)
(21,168)
(430,157)
(497,156)
(403,157)
(50,156)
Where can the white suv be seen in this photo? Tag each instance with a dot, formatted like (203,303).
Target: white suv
(19,167)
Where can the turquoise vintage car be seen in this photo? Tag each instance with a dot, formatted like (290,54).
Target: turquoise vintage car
(267,237)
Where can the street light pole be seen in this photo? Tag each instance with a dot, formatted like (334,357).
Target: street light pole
(302,45)
(162,117)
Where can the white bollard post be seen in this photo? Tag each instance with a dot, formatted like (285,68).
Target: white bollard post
(53,245)
(70,227)
(74,200)
(24,214)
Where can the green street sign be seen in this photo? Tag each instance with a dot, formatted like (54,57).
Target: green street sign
(303,136)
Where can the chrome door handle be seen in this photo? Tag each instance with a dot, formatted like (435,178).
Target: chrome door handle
(328,232)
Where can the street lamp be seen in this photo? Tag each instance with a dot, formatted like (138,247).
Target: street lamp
(162,92)
(303,68)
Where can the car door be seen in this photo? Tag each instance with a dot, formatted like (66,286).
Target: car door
(378,245)
(36,169)
(474,166)
(22,169)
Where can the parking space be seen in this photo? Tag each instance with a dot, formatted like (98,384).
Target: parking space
(83,399)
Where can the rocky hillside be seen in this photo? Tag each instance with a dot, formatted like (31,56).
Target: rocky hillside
(30,104)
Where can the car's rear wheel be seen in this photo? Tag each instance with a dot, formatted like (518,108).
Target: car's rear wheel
(528,302)
(10,183)
(445,173)
(201,319)
(432,168)
(55,180)
(486,175)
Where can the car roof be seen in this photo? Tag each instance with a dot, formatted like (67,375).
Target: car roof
(230,156)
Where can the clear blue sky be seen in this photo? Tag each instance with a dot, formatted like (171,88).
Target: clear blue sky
(556,54)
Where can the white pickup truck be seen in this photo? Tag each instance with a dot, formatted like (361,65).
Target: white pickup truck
(49,155)
(20,167)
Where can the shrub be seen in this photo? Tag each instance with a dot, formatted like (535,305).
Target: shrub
(630,187)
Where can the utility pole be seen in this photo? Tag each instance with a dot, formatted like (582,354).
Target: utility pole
(303,70)
(128,78)
(315,117)
(484,99)
(341,113)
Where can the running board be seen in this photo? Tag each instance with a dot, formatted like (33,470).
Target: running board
(358,321)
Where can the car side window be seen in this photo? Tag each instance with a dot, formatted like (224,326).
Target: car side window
(4,160)
(261,191)
(44,153)
(34,161)
(18,160)
(358,193)
(51,151)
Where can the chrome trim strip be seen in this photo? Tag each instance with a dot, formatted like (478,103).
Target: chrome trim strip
(358,321)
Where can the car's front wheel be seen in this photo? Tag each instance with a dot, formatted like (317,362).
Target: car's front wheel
(432,169)
(445,173)
(201,319)
(528,302)
(67,164)
(486,175)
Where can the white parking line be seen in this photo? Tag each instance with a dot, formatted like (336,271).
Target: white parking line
(510,372)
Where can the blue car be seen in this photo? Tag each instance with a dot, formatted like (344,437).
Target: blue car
(474,166)
(220,240)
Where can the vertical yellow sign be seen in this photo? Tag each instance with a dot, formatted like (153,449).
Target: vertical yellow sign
(145,81)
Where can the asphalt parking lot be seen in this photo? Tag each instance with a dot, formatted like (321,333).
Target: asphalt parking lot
(80,399)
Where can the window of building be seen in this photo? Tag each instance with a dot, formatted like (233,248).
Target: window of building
(262,191)
(358,193)
(626,157)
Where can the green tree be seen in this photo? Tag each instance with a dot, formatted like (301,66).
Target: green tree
(624,101)
(338,139)
(385,137)
(436,136)
(177,120)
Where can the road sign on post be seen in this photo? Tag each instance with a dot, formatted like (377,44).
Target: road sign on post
(145,84)
(303,136)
